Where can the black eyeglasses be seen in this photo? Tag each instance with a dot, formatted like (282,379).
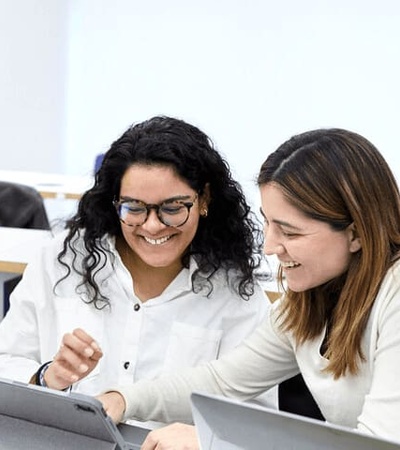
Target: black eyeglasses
(173,212)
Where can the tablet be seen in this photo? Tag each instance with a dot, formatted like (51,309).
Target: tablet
(35,417)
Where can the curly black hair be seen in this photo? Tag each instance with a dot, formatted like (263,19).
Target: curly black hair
(230,236)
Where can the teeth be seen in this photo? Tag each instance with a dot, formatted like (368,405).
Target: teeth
(289,264)
(156,241)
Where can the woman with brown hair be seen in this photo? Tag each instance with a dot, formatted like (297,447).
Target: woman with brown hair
(331,207)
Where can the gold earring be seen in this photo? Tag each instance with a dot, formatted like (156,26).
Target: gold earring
(204,212)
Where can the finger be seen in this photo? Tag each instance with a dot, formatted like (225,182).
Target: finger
(96,355)
(77,345)
(149,443)
(85,337)
(113,404)
(68,358)
(175,436)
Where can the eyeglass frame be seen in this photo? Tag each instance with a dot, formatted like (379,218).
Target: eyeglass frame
(157,206)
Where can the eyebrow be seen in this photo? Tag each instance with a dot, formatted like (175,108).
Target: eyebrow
(167,200)
(281,222)
(286,224)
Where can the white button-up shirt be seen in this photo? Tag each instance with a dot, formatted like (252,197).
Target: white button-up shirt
(177,329)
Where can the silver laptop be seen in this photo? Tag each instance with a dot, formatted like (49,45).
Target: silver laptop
(32,417)
(226,424)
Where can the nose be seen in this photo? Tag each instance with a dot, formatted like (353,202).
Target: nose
(153,224)
(272,245)
(276,249)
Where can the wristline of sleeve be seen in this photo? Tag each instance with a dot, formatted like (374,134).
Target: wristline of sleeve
(145,400)
(38,377)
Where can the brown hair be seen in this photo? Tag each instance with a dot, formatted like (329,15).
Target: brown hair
(339,177)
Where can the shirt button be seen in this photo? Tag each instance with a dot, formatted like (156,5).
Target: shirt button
(136,307)
(126,364)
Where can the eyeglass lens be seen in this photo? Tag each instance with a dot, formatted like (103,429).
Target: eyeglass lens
(171,213)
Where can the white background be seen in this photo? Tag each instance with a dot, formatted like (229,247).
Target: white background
(250,73)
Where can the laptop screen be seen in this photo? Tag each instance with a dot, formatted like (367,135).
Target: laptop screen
(226,424)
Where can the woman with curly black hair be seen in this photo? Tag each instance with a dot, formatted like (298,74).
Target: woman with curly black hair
(154,272)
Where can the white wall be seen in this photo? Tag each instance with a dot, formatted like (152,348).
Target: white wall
(33,57)
(250,73)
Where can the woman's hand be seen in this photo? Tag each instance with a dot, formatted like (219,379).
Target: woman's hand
(77,356)
(177,436)
(113,404)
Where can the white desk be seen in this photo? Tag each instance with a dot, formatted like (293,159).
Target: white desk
(18,246)
(50,185)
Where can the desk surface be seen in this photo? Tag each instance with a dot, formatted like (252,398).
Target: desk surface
(50,185)
(18,246)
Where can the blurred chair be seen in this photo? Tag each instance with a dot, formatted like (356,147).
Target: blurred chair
(98,161)
(20,207)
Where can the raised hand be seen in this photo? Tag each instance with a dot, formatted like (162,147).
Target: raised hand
(77,356)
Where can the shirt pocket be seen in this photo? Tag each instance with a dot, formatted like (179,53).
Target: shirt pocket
(71,313)
(191,345)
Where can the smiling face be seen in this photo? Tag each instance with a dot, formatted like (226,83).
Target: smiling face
(154,243)
(310,252)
